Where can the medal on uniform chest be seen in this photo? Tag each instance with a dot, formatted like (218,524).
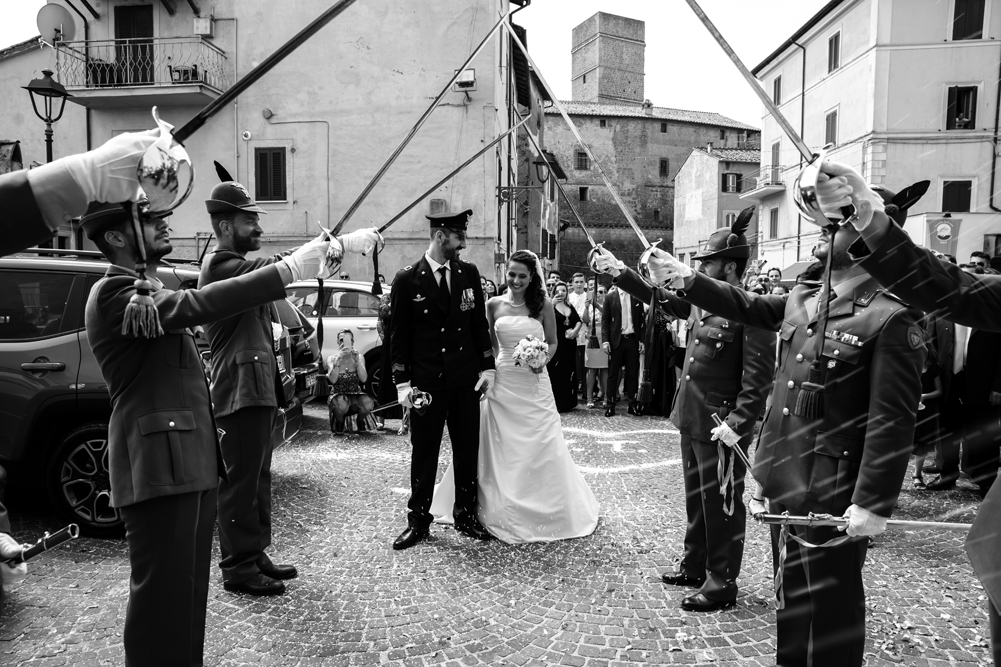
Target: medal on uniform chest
(468,300)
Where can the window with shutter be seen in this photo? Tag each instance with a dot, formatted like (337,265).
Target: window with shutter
(583,193)
(269,174)
(968,20)
(656,215)
(956,196)
(834,52)
(663,128)
(831,131)
(582,162)
(731,182)
(665,167)
(773,223)
(777,90)
(134,44)
(961,109)
(729,219)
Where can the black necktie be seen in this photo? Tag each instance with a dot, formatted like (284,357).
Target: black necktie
(446,298)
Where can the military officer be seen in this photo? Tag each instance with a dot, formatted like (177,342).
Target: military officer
(164,456)
(727,372)
(243,372)
(441,345)
(940,287)
(834,441)
(37,201)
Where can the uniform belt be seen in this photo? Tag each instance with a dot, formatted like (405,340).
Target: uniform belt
(632,335)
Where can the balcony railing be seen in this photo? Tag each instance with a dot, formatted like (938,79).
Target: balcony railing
(771,175)
(164,62)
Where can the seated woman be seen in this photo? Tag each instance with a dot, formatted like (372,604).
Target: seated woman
(347,374)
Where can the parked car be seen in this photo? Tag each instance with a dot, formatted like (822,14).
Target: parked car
(54,403)
(346,304)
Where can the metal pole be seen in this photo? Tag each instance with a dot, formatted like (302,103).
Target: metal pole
(48,141)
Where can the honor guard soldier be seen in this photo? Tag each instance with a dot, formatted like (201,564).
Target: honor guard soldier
(942,288)
(243,385)
(727,372)
(164,456)
(837,436)
(441,345)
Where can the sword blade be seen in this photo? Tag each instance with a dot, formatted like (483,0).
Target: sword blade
(826,520)
(755,85)
(580,140)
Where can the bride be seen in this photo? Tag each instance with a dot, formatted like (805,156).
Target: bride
(530,490)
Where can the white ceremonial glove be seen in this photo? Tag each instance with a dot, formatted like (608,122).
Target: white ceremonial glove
(306,261)
(109,172)
(758,506)
(665,269)
(862,522)
(840,185)
(361,241)
(403,391)
(486,381)
(606,262)
(10,575)
(726,434)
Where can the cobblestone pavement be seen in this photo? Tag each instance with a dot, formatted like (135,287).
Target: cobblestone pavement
(340,501)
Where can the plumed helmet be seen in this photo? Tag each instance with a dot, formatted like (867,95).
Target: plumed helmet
(897,203)
(730,242)
(231,196)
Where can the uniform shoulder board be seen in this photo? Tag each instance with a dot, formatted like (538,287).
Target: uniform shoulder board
(404,269)
(896,298)
(866,298)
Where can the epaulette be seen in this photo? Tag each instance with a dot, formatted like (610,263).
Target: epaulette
(896,298)
(866,298)
(404,270)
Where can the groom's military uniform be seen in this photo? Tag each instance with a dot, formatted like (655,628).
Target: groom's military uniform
(439,344)
(727,372)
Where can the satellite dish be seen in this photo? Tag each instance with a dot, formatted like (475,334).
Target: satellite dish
(55,23)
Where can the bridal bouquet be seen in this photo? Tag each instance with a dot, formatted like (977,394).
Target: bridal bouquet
(533,353)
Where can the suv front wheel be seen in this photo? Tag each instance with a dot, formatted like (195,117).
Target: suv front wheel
(79,481)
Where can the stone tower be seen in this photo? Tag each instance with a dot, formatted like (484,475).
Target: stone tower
(608,59)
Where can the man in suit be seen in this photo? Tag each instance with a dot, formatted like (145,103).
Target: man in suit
(243,376)
(622,324)
(37,201)
(978,382)
(727,372)
(942,288)
(437,305)
(941,335)
(834,440)
(164,455)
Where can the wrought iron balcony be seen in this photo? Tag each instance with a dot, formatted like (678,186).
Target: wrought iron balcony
(768,181)
(142,72)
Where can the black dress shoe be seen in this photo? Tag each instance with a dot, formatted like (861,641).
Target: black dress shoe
(681,579)
(634,410)
(410,537)
(934,470)
(279,571)
(473,529)
(941,484)
(700,602)
(259,584)
(610,411)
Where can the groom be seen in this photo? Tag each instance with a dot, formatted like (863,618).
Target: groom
(441,345)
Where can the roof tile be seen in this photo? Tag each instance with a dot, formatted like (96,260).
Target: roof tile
(575,108)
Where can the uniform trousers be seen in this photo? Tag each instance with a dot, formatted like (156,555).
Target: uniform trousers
(460,409)
(581,387)
(714,542)
(245,500)
(627,353)
(823,623)
(170,551)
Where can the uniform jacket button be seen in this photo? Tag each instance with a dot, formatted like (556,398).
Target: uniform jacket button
(791,384)
(697,341)
(799,357)
(255,357)
(846,453)
(460,328)
(691,360)
(701,323)
(442,349)
(785,411)
(809,332)
(837,352)
(443,329)
(460,348)
(425,312)
(688,377)
(170,424)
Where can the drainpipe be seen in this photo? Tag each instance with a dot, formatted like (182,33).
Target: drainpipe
(236,102)
(802,120)
(86,38)
(994,144)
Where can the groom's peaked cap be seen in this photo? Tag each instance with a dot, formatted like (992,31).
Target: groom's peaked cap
(453,222)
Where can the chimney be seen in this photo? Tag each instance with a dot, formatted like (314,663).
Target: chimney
(709,147)
(648,107)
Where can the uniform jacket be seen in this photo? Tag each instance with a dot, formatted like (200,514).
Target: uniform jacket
(243,366)
(162,435)
(611,318)
(942,334)
(946,290)
(728,366)
(4,520)
(433,347)
(873,353)
(23,225)
(983,367)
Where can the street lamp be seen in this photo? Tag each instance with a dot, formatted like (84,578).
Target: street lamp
(541,169)
(48,89)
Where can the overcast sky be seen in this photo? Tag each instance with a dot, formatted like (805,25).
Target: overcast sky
(685,69)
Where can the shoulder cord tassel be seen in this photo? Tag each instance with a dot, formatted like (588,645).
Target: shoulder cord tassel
(810,401)
(784,534)
(141,317)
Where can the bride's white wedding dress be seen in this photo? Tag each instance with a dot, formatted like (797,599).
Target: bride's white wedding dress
(530,490)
